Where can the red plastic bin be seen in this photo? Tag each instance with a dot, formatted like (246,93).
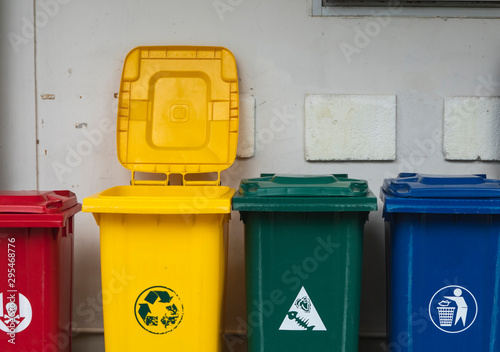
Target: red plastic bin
(36,268)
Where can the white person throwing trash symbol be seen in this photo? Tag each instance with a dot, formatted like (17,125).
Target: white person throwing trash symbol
(461,305)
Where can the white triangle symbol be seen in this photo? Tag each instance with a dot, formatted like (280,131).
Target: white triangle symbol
(302,315)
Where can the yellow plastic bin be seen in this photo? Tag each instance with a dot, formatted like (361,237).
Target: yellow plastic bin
(178,114)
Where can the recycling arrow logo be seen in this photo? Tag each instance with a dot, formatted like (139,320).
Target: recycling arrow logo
(159,310)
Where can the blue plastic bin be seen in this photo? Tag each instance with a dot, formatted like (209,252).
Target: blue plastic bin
(443,255)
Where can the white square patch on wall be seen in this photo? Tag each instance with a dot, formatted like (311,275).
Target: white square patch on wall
(350,127)
(246,133)
(471,128)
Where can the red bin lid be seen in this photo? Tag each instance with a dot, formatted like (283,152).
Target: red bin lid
(36,202)
(37,208)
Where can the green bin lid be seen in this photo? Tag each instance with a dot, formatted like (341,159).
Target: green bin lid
(306,193)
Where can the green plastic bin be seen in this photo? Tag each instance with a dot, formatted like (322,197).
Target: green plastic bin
(303,244)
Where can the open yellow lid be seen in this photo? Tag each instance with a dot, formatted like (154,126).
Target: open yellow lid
(178,110)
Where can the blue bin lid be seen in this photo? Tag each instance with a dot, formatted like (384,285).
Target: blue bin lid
(444,194)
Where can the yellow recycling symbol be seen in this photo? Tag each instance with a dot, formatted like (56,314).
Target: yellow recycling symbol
(159,310)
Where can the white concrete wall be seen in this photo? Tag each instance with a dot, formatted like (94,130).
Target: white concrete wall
(17,97)
(283,54)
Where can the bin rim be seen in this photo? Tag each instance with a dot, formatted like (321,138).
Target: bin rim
(31,220)
(306,204)
(158,200)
